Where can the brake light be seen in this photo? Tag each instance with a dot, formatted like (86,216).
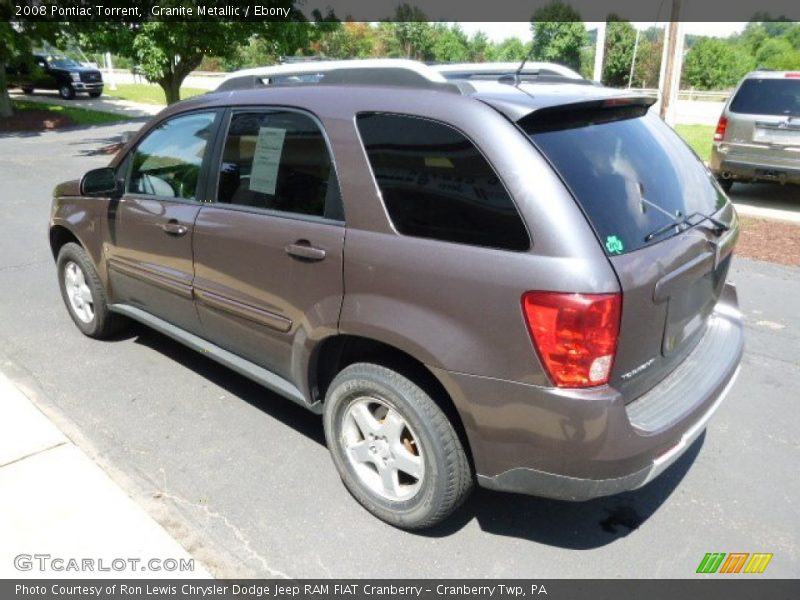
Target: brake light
(575,335)
(793,74)
(722,125)
(618,102)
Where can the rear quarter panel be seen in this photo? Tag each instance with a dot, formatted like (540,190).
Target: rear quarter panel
(454,306)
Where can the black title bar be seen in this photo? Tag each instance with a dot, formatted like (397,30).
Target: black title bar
(376,10)
(713,587)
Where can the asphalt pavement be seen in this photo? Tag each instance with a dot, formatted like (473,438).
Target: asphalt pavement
(242,478)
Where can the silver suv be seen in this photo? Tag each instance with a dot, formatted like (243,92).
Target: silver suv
(758,134)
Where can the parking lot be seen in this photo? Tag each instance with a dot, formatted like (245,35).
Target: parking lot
(243,480)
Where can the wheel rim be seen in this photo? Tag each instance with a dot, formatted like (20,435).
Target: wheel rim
(65,91)
(80,296)
(382,449)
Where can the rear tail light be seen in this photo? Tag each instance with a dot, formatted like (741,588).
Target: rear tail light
(722,125)
(575,335)
(793,74)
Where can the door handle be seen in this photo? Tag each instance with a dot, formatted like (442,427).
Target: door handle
(172,227)
(303,250)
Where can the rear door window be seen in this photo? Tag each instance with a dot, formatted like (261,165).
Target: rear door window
(436,184)
(630,176)
(279,161)
(778,97)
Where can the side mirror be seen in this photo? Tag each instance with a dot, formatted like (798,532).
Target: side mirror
(100,182)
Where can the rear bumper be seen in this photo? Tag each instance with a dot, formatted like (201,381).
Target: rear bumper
(736,165)
(581,444)
(530,481)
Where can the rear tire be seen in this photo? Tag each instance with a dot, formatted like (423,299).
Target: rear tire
(83,293)
(66,91)
(725,184)
(394,448)
(27,91)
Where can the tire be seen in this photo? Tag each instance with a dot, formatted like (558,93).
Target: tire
(83,293)
(27,91)
(429,475)
(725,184)
(95,94)
(66,91)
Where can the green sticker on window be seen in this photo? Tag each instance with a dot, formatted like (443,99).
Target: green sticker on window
(614,245)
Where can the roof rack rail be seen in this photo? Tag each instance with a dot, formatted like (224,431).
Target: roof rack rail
(495,71)
(390,72)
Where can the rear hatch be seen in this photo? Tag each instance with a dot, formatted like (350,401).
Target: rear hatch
(633,176)
(764,120)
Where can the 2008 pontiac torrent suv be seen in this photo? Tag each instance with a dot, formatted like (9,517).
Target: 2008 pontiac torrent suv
(520,285)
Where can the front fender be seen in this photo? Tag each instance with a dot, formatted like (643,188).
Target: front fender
(82,219)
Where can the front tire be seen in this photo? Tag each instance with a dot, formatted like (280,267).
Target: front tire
(66,91)
(725,184)
(27,91)
(83,293)
(95,94)
(394,448)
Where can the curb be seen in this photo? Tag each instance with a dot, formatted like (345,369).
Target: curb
(63,517)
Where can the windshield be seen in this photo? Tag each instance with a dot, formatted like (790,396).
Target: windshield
(630,177)
(61,62)
(768,97)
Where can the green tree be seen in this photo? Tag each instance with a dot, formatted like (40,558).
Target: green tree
(587,61)
(558,34)
(479,47)
(168,51)
(753,36)
(714,64)
(386,43)
(351,40)
(449,44)
(620,41)
(793,37)
(774,27)
(16,43)
(648,61)
(778,54)
(412,32)
(509,50)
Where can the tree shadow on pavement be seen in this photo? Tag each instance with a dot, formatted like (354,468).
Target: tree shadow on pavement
(134,124)
(287,412)
(572,525)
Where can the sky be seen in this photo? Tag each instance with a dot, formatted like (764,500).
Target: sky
(497,32)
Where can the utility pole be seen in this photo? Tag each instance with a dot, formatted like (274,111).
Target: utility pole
(671,52)
(599,50)
(633,61)
(112,82)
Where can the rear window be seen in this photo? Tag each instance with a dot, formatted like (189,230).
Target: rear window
(436,184)
(630,176)
(768,97)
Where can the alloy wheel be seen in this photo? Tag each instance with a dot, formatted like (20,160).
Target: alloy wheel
(382,449)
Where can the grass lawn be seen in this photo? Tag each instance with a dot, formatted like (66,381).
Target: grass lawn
(80,116)
(699,137)
(148,94)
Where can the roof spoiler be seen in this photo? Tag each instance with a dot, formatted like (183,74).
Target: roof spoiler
(586,112)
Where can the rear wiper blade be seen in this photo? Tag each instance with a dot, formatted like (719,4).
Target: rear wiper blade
(719,226)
